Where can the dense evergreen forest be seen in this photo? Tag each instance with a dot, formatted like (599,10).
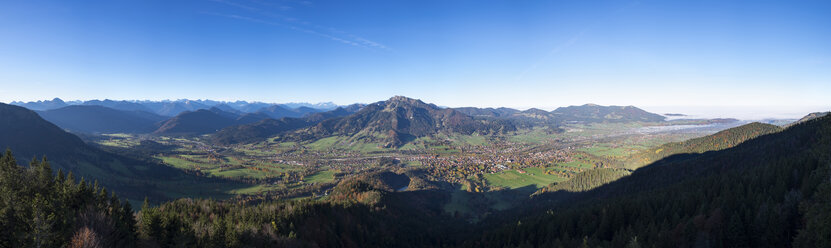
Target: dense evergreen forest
(770,191)
(38,209)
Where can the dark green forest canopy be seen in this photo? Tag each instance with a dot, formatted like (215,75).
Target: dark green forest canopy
(38,209)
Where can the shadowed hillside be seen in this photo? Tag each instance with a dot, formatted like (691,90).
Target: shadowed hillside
(721,140)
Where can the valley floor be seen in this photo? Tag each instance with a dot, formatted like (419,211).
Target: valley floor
(520,163)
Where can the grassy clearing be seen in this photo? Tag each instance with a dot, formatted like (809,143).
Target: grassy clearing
(326,176)
(513,179)
(609,150)
(324,143)
(177,162)
(256,189)
(238,173)
(577,164)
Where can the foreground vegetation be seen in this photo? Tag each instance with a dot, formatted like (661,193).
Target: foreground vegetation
(38,209)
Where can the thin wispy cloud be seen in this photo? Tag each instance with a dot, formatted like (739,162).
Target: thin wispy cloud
(552,52)
(238,5)
(570,42)
(295,28)
(271,18)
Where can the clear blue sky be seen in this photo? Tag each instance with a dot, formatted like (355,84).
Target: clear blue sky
(453,53)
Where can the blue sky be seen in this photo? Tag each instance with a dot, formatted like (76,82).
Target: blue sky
(453,53)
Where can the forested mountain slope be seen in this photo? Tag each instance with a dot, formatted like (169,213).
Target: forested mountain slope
(772,190)
(718,141)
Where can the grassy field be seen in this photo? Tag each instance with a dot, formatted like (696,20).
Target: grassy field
(239,173)
(344,143)
(513,179)
(183,164)
(214,168)
(256,189)
(613,151)
(577,164)
(326,176)
(118,140)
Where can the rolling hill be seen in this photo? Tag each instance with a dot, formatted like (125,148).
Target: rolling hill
(592,113)
(98,119)
(588,113)
(204,121)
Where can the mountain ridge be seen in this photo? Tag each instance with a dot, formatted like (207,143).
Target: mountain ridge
(398,120)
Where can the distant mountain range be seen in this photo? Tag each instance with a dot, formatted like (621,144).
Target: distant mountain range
(172,108)
(191,118)
(393,122)
(28,136)
(397,121)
